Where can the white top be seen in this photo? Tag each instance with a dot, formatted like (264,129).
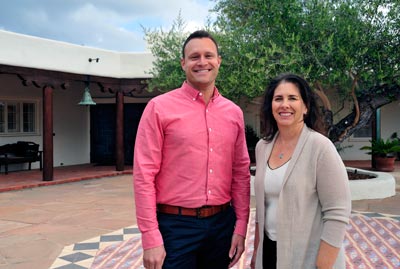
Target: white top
(273,182)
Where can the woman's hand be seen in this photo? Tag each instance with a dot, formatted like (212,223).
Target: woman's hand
(253,260)
(327,255)
(256,242)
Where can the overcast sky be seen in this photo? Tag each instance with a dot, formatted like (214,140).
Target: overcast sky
(106,24)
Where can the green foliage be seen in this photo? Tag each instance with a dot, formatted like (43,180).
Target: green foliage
(383,148)
(166,47)
(328,42)
(256,39)
(334,44)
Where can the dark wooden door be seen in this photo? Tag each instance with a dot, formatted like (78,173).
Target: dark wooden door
(102,140)
(132,114)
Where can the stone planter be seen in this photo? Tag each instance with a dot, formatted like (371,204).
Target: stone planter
(382,186)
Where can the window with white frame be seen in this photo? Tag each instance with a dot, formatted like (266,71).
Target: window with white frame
(18,117)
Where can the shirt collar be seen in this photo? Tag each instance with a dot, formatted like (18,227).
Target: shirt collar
(194,94)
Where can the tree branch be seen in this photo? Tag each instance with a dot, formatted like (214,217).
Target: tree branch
(356,108)
(368,101)
(321,94)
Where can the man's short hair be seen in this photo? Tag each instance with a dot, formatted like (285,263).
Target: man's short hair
(198,34)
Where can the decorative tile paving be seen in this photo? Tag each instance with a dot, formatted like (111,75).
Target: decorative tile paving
(81,255)
(372,241)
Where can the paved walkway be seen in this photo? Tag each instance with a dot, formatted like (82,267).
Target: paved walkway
(37,223)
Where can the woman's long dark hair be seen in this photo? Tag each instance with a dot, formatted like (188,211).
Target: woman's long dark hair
(312,119)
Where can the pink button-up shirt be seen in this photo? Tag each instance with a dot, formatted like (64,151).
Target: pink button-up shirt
(190,154)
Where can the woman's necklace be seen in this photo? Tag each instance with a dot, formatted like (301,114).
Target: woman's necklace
(287,147)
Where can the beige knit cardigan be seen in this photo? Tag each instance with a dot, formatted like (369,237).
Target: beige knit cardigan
(314,202)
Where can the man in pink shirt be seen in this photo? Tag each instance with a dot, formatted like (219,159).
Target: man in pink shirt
(191,169)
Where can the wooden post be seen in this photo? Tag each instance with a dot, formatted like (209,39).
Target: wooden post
(119,149)
(48,133)
(374,134)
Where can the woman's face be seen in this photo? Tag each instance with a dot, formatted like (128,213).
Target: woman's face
(288,107)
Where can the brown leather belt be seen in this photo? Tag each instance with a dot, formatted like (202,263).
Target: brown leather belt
(200,212)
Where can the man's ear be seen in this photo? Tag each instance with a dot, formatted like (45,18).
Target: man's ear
(183,63)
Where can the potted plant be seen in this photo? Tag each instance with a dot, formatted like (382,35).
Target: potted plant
(395,137)
(384,153)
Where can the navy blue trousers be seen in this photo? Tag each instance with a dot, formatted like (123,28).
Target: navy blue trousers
(197,243)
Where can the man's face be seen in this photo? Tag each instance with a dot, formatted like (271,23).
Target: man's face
(201,63)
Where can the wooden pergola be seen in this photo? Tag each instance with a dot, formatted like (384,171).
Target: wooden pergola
(48,81)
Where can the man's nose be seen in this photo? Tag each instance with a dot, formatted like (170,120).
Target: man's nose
(202,60)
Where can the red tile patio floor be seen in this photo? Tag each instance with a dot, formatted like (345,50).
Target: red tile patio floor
(48,228)
(18,180)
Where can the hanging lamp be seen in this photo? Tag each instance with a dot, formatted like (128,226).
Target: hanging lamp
(87,98)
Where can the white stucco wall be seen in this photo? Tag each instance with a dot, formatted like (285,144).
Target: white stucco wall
(29,51)
(71,125)
(9,91)
(390,123)
(390,119)
(70,122)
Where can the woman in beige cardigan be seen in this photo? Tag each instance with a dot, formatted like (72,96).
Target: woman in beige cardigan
(303,199)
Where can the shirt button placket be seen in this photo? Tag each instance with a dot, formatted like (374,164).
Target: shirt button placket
(211,150)
(211,156)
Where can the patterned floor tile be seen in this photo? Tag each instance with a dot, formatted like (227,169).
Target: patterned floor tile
(372,241)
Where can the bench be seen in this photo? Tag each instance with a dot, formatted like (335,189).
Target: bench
(20,152)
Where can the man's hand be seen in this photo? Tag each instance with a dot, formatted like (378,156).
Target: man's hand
(237,248)
(153,258)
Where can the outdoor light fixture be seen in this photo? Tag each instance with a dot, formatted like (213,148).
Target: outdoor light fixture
(87,99)
(94,59)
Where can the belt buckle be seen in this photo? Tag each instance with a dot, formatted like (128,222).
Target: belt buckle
(198,213)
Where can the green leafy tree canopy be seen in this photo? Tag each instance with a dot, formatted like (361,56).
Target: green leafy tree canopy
(348,49)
